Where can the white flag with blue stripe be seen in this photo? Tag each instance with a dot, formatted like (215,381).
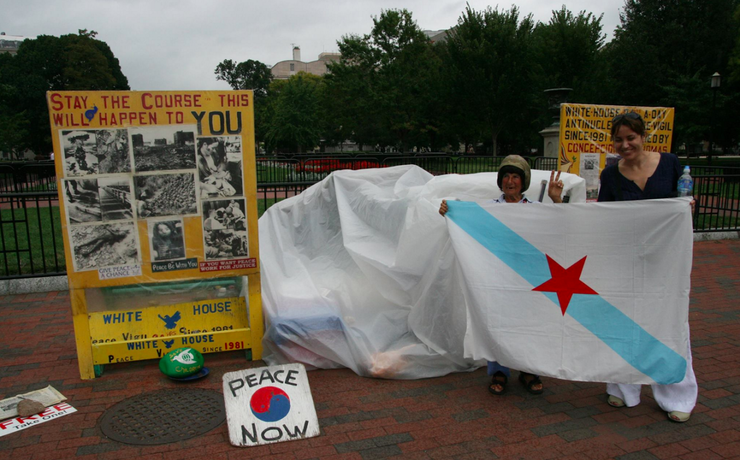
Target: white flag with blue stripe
(587,291)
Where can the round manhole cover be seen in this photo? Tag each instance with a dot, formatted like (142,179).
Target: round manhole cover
(164,416)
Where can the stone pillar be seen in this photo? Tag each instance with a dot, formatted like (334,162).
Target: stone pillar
(551,134)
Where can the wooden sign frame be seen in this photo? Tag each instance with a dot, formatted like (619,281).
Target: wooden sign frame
(157,196)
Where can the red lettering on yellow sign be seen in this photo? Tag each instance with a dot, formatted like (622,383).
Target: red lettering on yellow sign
(161,101)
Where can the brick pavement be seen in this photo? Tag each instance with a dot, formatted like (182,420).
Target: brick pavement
(362,418)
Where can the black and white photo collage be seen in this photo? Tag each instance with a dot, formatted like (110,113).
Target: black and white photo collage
(161,174)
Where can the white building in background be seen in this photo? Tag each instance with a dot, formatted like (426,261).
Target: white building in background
(286,69)
(10,43)
(436,36)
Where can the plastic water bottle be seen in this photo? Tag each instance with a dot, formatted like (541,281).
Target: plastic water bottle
(685,183)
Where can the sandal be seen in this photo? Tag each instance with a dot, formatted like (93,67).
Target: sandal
(528,384)
(614,401)
(679,417)
(499,378)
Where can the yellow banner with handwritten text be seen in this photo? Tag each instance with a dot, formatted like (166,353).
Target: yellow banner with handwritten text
(155,185)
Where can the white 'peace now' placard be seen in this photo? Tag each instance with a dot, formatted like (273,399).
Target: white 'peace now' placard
(268,405)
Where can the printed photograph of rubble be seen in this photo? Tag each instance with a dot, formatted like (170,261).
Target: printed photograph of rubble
(225,229)
(104,245)
(112,151)
(163,148)
(115,198)
(82,199)
(101,151)
(160,195)
(79,149)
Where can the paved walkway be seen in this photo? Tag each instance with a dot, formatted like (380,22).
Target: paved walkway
(447,417)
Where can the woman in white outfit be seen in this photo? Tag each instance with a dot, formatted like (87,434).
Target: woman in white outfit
(642,175)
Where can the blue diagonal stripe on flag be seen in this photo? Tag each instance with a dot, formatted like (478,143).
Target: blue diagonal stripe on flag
(642,351)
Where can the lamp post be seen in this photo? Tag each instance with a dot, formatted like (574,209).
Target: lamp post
(551,134)
(715,82)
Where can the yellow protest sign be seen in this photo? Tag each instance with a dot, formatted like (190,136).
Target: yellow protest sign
(156,187)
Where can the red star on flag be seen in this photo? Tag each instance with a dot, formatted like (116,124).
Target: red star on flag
(565,282)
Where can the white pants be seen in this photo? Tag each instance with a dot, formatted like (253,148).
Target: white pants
(679,396)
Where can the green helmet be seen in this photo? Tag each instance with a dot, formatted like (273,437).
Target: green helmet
(518,165)
(181,362)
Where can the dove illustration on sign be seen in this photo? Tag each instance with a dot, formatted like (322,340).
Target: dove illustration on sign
(90,114)
(170,322)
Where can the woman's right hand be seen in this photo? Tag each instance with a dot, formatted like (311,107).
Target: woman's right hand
(443,207)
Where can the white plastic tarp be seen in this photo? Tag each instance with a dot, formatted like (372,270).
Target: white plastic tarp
(358,271)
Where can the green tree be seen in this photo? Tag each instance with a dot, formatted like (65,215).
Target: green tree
(294,113)
(350,103)
(664,54)
(249,74)
(383,87)
(252,75)
(734,62)
(728,96)
(47,63)
(691,99)
(13,125)
(568,50)
(492,73)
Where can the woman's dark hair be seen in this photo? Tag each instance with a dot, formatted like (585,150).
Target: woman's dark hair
(632,120)
(172,228)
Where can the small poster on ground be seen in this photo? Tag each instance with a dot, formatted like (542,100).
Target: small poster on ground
(21,423)
(268,405)
(46,396)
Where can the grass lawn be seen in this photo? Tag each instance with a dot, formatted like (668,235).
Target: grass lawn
(270,171)
(31,237)
(717,187)
(711,222)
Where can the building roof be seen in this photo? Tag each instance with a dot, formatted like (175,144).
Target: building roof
(436,35)
(11,43)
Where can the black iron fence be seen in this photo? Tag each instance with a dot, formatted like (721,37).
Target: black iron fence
(39,176)
(30,227)
(717,188)
(30,235)
(314,169)
(717,192)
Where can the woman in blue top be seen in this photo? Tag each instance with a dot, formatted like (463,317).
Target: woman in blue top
(642,175)
(639,175)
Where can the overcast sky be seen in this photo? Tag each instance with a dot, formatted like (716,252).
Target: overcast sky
(177,44)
